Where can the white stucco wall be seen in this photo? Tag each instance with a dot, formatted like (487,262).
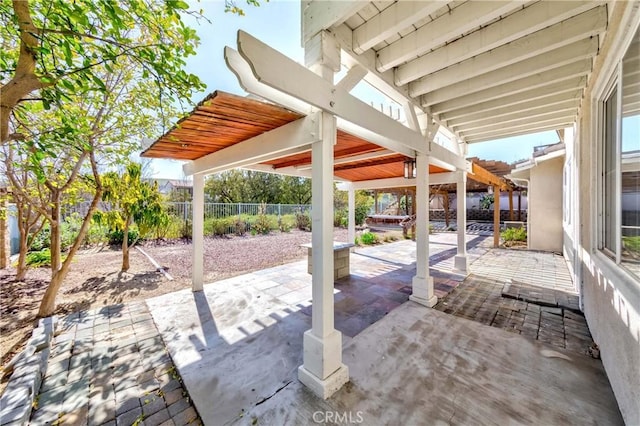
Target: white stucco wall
(610,296)
(545,197)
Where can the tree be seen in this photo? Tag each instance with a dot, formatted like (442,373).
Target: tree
(132,201)
(57,48)
(295,190)
(100,128)
(67,73)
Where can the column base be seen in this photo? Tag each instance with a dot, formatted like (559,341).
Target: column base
(429,303)
(460,265)
(327,387)
(422,292)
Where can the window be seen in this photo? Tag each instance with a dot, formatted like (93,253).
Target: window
(620,224)
(630,159)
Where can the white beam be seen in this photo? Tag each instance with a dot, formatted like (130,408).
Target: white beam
(412,118)
(382,81)
(246,79)
(583,26)
(289,139)
(321,15)
(285,171)
(458,21)
(565,73)
(571,87)
(390,21)
(278,71)
(355,74)
(523,23)
(539,106)
(534,128)
(502,125)
(580,52)
(400,182)
(354,158)
(249,83)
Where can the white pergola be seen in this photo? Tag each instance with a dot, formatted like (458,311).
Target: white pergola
(475,70)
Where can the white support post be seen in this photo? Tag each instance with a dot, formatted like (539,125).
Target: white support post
(197,233)
(422,283)
(323,371)
(460,261)
(352,214)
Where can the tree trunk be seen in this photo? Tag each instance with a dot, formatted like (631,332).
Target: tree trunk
(21,268)
(125,245)
(48,305)
(56,245)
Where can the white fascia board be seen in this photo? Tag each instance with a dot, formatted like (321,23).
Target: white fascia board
(391,21)
(517,120)
(574,59)
(539,106)
(460,20)
(583,26)
(535,128)
(521,24)
(289,139)
(281,73)
(549,156)
(320,15)
(453,109)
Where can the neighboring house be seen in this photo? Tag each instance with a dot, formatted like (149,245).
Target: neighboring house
(542,175)
(177,188)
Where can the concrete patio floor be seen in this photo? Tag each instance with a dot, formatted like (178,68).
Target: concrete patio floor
(238,344)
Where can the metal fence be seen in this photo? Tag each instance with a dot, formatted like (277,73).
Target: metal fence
(211,210)
(222,210)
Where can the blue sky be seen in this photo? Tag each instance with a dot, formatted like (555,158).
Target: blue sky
(277,23)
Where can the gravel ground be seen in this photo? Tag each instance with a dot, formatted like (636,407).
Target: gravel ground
(95,280)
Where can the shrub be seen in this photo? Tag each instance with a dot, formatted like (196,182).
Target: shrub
(116,237)
(303,221)
(286,223)
(341,218)
(171,228)
(369,238)
(240,227)
(262,225)
(40,258)
(514,234)
(218,226)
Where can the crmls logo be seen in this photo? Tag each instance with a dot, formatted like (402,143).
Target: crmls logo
(336,417)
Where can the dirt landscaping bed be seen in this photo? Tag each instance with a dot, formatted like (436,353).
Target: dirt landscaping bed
(95,279)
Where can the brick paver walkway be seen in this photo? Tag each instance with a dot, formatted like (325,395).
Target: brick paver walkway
(540,312)
(109,366)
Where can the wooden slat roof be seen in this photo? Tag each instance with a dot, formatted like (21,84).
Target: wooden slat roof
(223,119)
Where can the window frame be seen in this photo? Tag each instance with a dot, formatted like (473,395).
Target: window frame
(599,128)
